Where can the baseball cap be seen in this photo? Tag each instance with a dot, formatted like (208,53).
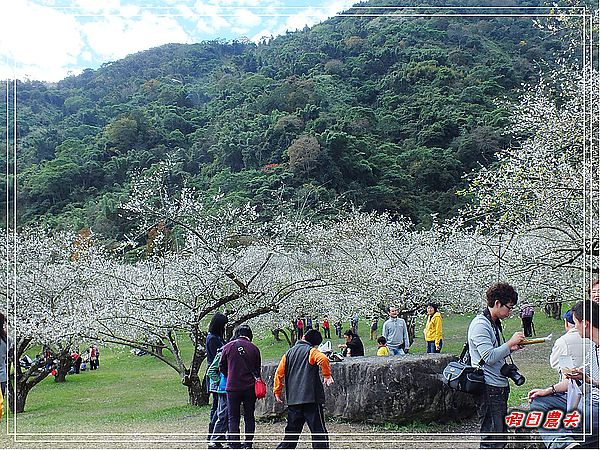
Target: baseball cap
(568,316)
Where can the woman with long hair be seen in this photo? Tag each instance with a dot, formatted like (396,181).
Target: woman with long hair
(215,339)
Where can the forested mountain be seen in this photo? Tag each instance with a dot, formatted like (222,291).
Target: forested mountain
(389,112)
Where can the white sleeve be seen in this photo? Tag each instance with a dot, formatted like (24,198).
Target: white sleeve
(559,349)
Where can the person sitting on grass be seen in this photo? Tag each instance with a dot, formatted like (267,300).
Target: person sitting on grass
(304,393)
(382,349)
(586,315)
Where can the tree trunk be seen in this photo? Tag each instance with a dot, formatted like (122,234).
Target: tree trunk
(410,324)
(17,404)
(553,309)
(65,362)
(197,396)
(277,334)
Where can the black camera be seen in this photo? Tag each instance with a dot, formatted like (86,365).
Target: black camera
(512,371)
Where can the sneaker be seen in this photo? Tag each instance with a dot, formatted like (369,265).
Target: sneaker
(214,445)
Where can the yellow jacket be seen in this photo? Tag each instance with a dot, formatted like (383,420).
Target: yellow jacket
(383,351)
(433,328)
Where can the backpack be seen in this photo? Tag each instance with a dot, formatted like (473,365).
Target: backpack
(526,311)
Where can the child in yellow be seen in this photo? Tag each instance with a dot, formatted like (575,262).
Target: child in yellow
(382,349)
(433,329)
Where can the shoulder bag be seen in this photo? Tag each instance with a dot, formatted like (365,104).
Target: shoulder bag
(462,376)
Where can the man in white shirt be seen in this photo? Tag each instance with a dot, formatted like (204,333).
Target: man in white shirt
(569,344)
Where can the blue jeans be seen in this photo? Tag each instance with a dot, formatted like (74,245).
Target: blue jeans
(213,412)
(431,347)
(587,408)
(396,350)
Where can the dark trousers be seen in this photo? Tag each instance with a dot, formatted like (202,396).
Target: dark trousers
(78,365)
(326,333)
(221,424)
(431,347)
(527,326)
(213,413)
(492,405)
(312,415)
(234,402)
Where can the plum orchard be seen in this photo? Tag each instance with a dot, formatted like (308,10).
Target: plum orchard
(50,304)
(544,189)
(203,255)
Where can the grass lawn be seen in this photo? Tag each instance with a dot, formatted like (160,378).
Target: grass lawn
(142,394)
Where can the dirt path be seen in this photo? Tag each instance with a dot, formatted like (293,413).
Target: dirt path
(341,435)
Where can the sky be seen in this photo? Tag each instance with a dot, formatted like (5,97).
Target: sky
(50,39)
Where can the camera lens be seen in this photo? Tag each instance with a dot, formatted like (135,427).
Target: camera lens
(518,378)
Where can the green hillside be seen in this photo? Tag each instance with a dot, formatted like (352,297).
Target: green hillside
(387,112)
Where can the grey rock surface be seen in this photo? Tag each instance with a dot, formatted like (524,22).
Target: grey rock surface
(394,389)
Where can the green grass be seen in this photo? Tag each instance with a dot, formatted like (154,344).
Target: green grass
(141,393)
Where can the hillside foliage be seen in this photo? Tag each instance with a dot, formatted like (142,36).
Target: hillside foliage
(387,113)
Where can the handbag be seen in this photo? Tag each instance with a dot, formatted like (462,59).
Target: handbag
(260,388)
(462,376)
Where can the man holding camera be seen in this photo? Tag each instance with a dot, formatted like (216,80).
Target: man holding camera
(486,349)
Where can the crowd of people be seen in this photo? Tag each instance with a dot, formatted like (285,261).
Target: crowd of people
(234,368)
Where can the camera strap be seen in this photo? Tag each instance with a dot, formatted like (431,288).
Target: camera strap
(497,327)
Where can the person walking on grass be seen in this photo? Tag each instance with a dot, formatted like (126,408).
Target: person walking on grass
(240,364)
(218,384)
(304,393)
(374,326)
(326,329)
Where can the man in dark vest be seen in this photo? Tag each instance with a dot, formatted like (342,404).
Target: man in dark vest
(299,370)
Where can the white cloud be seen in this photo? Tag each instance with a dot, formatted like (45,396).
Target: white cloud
(308,16)
(95,6)
(246,18)
(38,36)
(115,37)
(47,38)
(234,3)
(185,11)
(209,20)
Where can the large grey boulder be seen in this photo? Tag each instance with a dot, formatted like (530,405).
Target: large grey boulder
(394,389)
